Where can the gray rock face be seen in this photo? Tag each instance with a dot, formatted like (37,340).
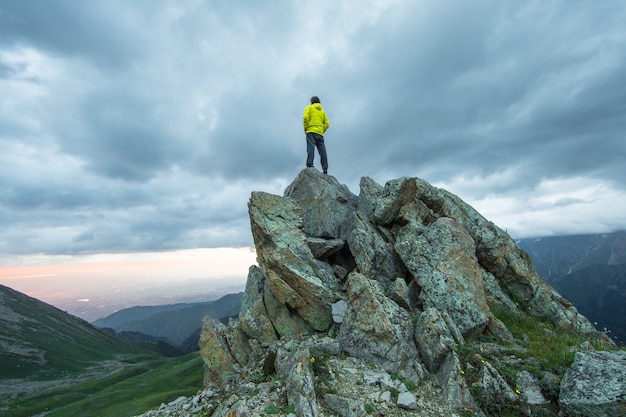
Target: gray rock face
(405,278)
(452,381)
(255,321)
(442,259)
(595,385)
(301,391)
(345,407)
(219,365)
(326,204)
(294,276)
(407,401)
(378,330)
(491,384)
(528,387)
(373,252)
(433,338)
(339,310)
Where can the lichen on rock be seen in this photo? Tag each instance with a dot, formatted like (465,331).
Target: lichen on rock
(406,279)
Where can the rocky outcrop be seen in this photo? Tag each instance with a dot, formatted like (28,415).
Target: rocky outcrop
(404,279)
(302,285)
(583,395)
(378,330)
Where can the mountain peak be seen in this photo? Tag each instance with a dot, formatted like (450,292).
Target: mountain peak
(405,278)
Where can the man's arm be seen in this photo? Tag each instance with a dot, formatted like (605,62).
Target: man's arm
(305,117)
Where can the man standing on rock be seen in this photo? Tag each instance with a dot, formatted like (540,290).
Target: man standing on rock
(315,124)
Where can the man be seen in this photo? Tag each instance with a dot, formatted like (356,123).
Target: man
(315,124)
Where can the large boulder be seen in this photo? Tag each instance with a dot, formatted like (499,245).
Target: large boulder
(490,384)
(325,203)
(219,364)
(442,259)
(433,338)
(451,379)
(373,252)
(293,275)
(595,385)
(378,330)
(255,321)
(301,391)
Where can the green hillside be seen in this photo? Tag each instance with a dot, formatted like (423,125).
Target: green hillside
(40,342)
(57,364)
(130,392)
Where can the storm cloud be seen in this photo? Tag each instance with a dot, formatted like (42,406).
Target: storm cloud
(145,125)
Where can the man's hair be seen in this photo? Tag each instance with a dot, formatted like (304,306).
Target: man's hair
(315,99)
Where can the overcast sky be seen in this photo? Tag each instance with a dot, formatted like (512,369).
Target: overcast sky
(145,125)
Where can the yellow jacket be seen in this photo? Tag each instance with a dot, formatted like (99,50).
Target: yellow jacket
(315,119)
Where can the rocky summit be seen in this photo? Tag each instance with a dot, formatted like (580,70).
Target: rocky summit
(401,301)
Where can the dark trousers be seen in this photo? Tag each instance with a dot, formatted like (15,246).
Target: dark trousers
(315,140)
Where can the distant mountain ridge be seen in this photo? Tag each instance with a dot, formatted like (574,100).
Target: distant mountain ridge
(174,322)
(556,256)
(590,271)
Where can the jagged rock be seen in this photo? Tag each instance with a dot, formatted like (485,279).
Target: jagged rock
(433,338)
(505,260)
(285,320)
(323,248)
(349,291)
(369,193)
(253,316)
(395,195)
(492,386)
(292,273)
(496,328)
(374,254)
(218,362)
(301,391)
(495,293)
(378,330)
(384,381)
(595,385)
(345,407)
(442,259)
(528,386)
(339,310)
(453,329)
(326,204)
(327,345)
(288,356)
(232,407)
(407,401)
(238,344)
(452,381)
(399,292)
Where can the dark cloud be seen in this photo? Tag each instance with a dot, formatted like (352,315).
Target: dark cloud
(146,125)
(90,29)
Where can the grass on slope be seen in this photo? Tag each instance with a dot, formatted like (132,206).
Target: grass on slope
(539,347)
(44,343)
(132,391)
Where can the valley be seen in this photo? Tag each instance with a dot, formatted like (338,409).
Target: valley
(56,363)
(91,304)
(588,270)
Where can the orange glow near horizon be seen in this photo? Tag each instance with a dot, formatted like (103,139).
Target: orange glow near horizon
(54,278)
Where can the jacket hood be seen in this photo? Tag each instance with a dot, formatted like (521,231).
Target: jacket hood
(318,106)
